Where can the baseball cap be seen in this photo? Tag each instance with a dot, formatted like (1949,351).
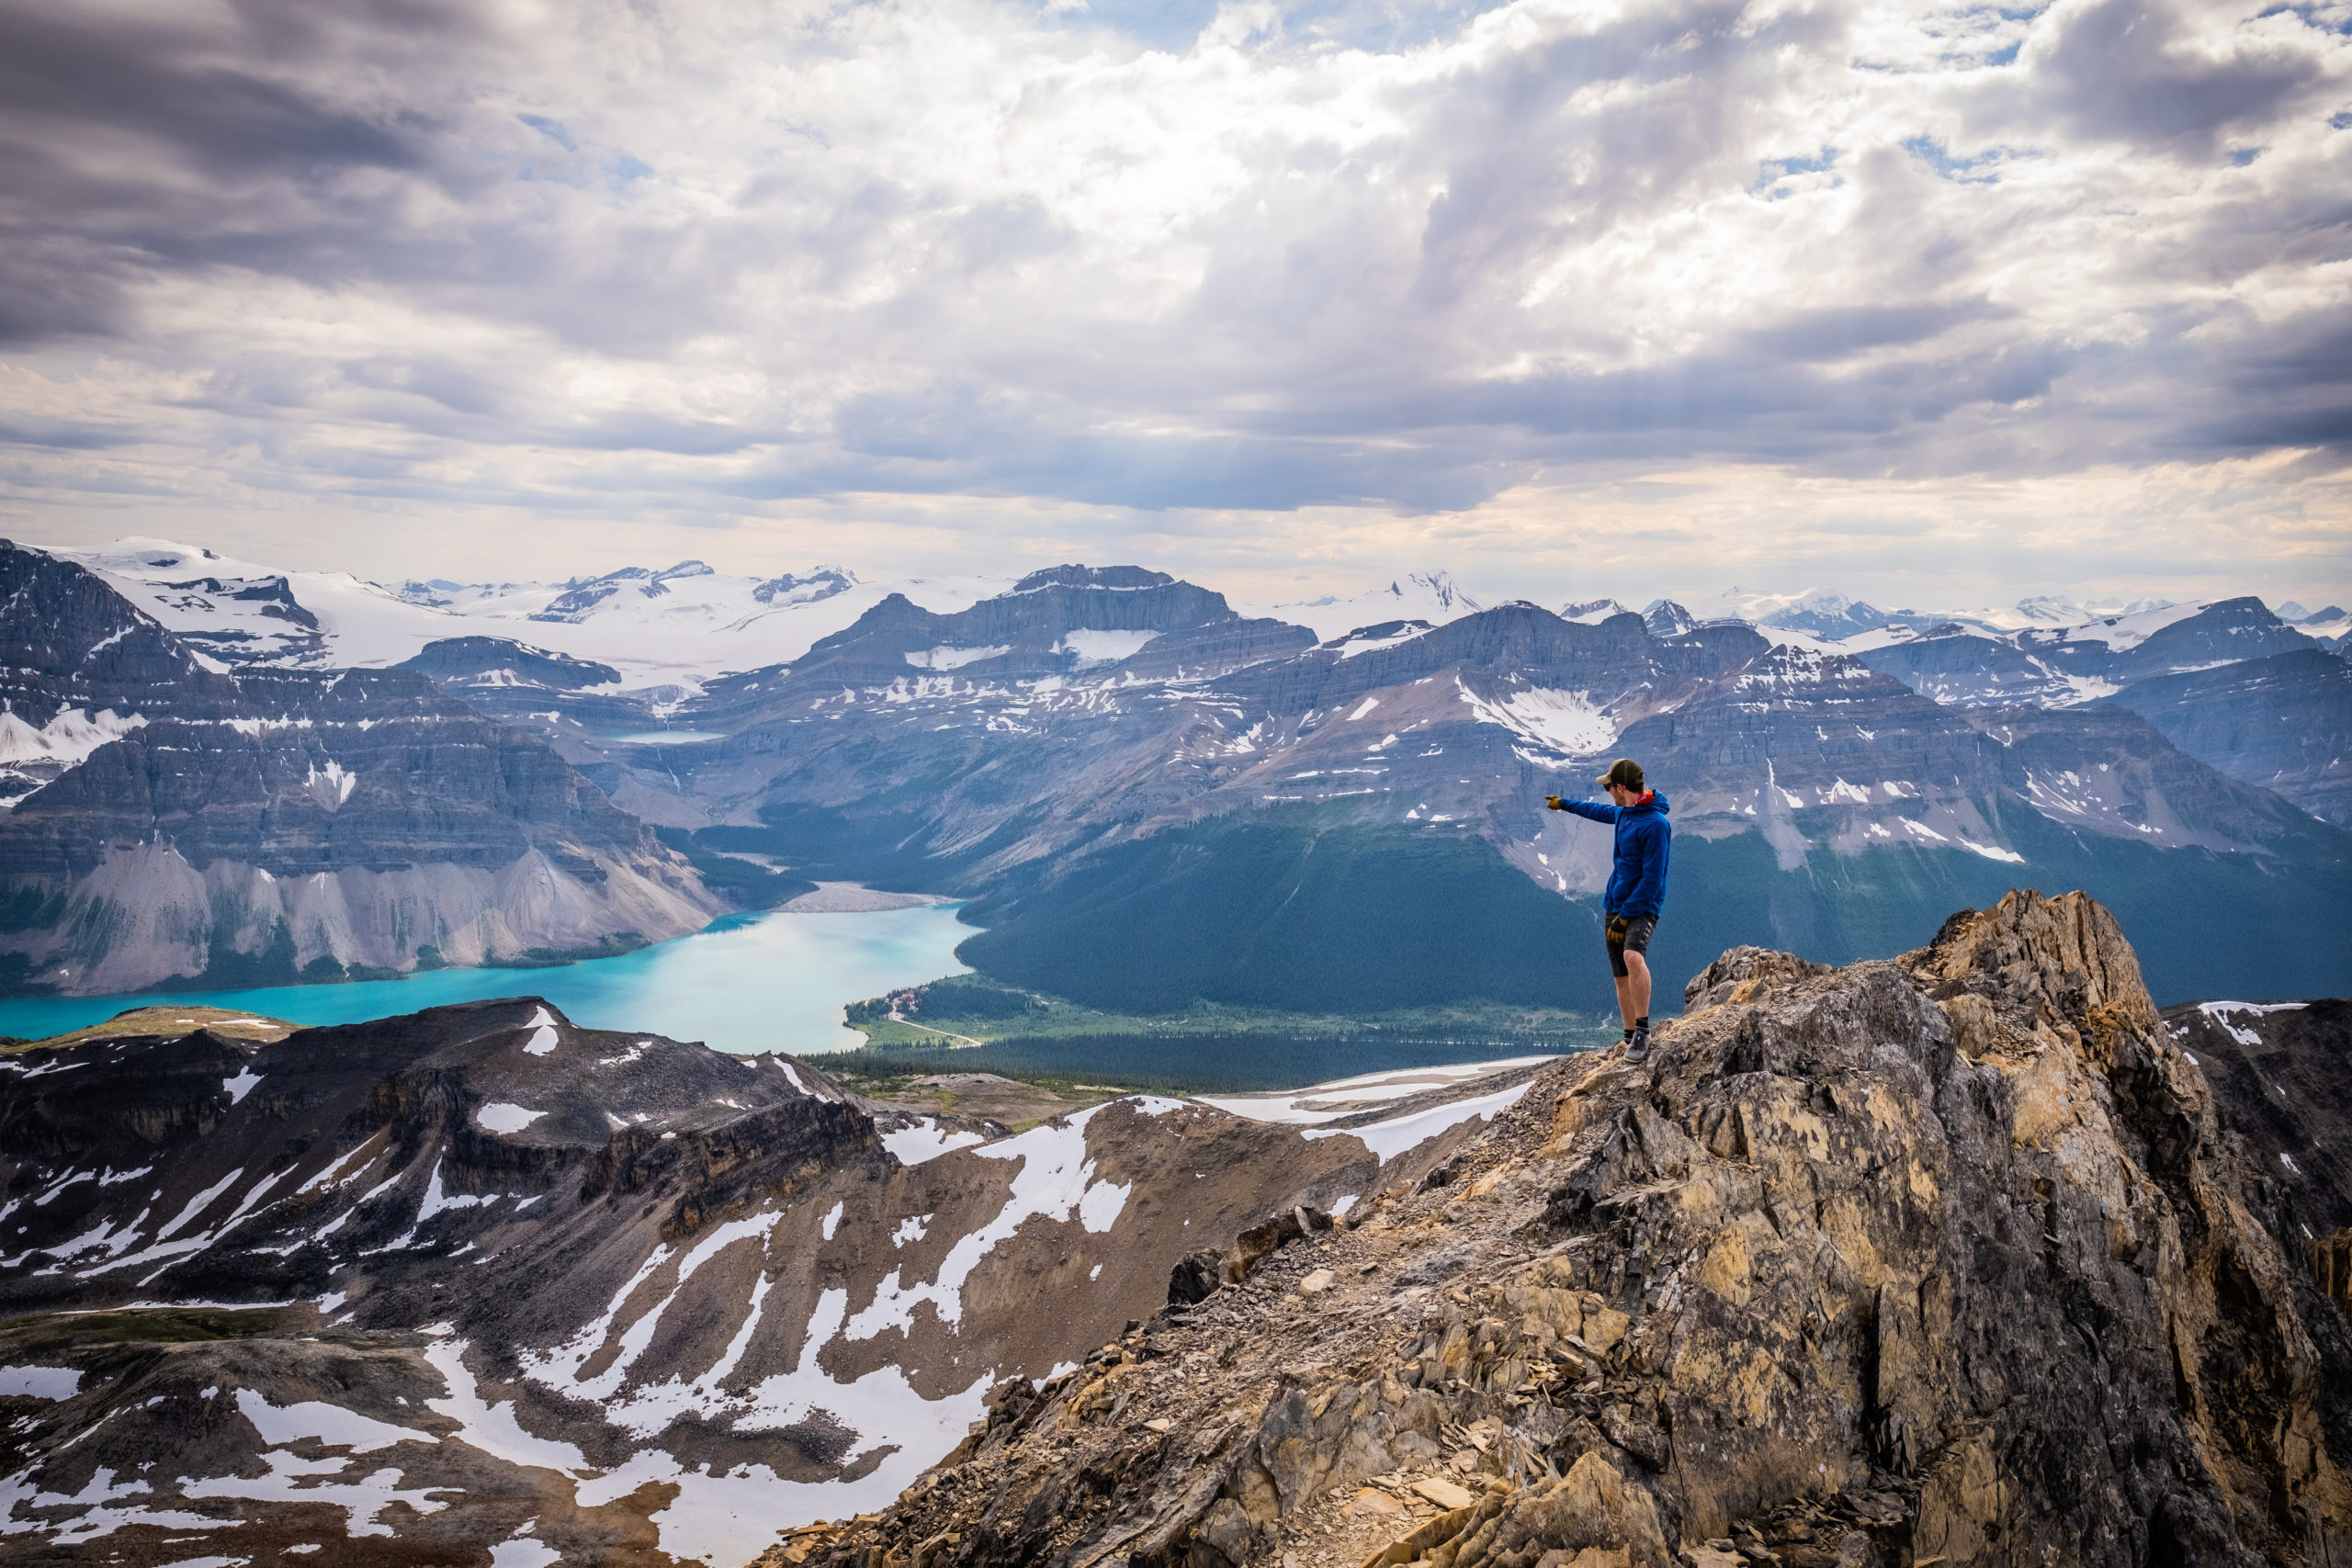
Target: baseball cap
(1624,773)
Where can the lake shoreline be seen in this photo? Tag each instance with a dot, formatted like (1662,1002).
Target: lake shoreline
(772,980)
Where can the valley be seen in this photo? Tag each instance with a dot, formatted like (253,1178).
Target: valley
(1167,820)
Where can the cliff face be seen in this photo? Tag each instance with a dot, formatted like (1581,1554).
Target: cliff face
(171,821)
(2283,1072)
(1946,1258)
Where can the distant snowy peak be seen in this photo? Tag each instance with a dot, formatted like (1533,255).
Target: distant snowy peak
(822,582)
(1822,616)
(578,597)
(2046,612)
(1666,618)
(1591,612)
(1440,587)
(2319,623)
(1829,615)
(143,557)
(1817,611)
(2123,631)
(2063,610)
(1429,596)
(230,612)
(1128,578)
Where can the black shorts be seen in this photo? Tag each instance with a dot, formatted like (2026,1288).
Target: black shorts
(1637,940)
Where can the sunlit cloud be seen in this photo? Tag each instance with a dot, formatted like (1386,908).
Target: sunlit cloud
(2013,298)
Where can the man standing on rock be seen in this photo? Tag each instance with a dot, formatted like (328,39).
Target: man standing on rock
(1636,888)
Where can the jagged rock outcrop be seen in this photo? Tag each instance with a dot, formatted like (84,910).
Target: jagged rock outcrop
(1945,1258)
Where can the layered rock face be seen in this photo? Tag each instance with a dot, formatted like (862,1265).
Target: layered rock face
(174,822)
(1946,1258)
(2283,722)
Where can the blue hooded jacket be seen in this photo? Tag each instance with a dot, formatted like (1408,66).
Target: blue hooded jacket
(1637,881)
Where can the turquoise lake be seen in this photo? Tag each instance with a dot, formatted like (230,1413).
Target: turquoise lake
(748,983)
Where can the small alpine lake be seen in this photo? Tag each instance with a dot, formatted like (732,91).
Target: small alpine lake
(775,981)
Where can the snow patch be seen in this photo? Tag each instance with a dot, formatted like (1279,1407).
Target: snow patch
(946,657)
(67,739)
(1563,722)
(1388,1139)
(330,785)
(1055,1180)
(493,1429)
(2220,1012)
(1353,1095)
(925,1141)
(197,1204)
(1104,648)
(333,1425)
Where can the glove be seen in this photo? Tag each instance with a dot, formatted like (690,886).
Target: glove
(1618,926)
(1553,802)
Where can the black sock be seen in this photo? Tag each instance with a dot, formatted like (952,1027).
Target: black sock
(1643,1021)
(1629,1031)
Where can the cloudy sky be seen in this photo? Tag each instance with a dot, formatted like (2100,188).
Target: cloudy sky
(1936,304)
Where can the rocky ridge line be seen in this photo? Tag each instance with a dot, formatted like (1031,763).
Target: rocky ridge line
(1940,1259)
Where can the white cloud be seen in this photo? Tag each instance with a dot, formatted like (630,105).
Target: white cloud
(961,278)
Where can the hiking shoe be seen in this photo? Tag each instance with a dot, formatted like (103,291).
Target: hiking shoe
(1637,1049)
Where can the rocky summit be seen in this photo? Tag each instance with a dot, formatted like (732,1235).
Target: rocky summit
(1948,1258)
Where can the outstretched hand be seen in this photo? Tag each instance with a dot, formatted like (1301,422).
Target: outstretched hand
(1552,802)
